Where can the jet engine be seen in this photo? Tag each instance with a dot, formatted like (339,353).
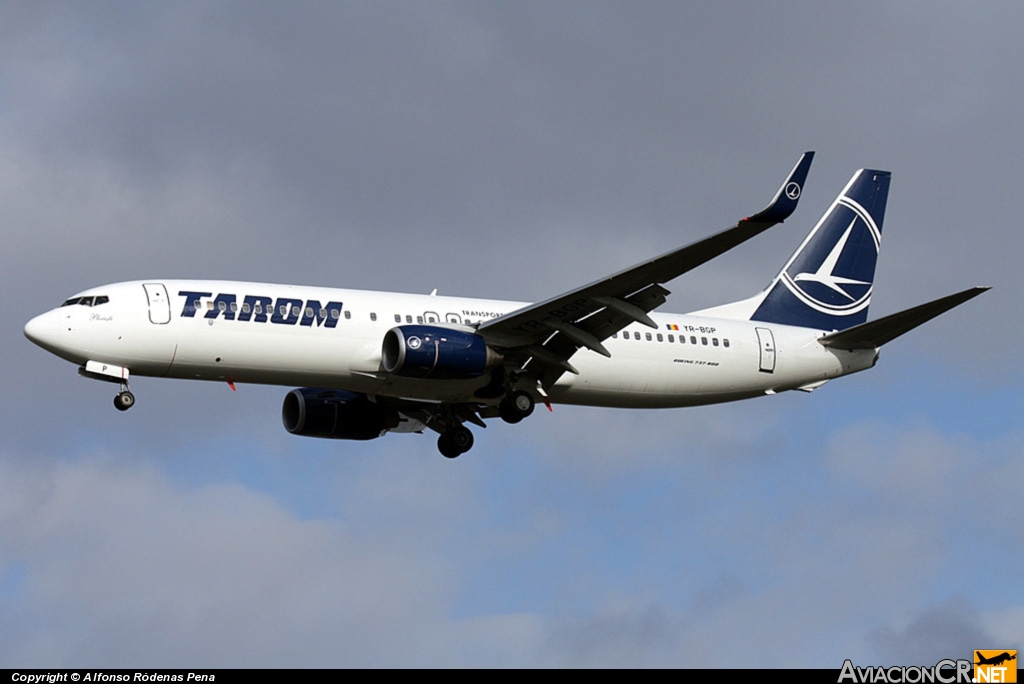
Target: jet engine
(335,414)
(424,351)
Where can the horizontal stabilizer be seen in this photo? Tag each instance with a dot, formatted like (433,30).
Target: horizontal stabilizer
(874,334)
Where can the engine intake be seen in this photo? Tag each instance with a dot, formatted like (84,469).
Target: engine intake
(424,351)
(335,414)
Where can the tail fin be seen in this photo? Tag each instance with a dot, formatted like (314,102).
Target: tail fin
(827,283)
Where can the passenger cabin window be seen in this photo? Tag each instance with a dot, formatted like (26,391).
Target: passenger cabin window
(660,339)
(725,342)
(348,315)
(398,318)
(373,316)
(408,318)
(671,338)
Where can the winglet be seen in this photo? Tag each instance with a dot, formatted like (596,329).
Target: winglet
(788,195)
(874,334)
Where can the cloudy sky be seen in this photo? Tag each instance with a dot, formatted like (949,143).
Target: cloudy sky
(510,150)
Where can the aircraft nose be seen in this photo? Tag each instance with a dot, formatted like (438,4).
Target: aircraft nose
(44,330)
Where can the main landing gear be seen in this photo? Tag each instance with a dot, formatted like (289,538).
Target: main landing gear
(455,442)
(516,406)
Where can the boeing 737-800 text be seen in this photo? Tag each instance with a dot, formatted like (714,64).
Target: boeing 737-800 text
(368,363)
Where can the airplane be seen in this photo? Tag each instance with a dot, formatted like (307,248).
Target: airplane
(368,363)
(994,660)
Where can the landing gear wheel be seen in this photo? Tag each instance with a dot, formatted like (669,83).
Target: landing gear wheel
(455,442)
(462,438)
(515,407)
(124,400)
(447,449)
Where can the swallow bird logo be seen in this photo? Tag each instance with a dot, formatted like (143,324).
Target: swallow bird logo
(835,276)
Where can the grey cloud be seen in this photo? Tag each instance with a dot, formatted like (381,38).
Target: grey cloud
(641,636)
(950,630)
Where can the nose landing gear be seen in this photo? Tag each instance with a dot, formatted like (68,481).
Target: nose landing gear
(99,370)
(124,399)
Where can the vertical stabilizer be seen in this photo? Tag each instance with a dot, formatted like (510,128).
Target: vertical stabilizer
(827,283)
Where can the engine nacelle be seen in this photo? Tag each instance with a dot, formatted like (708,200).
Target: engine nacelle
(424,351)
(335,414)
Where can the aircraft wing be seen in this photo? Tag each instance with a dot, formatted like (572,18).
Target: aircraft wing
(543,337)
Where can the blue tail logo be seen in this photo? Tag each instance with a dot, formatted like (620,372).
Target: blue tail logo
(827,284)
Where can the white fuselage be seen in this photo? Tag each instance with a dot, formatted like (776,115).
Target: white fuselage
(332,338)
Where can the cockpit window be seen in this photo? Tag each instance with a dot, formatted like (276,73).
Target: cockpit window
(87,301)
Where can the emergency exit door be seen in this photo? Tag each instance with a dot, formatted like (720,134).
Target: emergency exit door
(766,341)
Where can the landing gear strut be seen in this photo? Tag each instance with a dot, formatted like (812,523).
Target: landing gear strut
(516,406)
(455,442)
